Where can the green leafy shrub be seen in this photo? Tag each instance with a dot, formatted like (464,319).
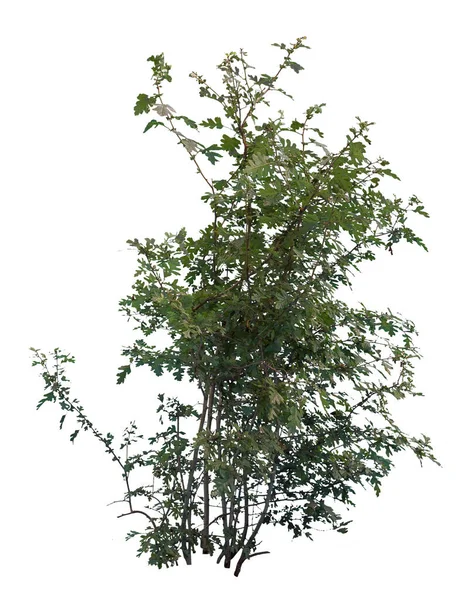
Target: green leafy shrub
(296,385)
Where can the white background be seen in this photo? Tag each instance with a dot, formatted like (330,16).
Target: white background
(78,178)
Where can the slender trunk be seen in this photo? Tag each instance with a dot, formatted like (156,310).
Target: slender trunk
(225,514)
(231,530)
(246,512)
(206,549)
(186,515)
(245,554)
(231,546)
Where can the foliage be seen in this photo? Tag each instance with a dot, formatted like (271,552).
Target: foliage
(296,384)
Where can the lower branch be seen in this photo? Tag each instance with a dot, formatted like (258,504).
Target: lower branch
(186,515)
(245,554)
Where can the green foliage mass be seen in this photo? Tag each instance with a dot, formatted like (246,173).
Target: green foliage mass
(296,385)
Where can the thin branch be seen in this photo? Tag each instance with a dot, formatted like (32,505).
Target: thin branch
(257,553)
(139,512)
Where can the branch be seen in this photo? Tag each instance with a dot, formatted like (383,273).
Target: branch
(257,553)
(179,135)
(139,512)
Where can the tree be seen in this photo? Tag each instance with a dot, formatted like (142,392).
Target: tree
(296,384)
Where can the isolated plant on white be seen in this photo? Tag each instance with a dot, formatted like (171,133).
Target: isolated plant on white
(296,384)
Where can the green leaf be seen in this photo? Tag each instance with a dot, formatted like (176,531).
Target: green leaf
(123,372)
(211,154)
(213,123)
(357,151)
(153,123)
(257,161)
(276,398)
(342,530)
(295,125)
(295,66)
(188,121)
(73,435)
(131,534)
(160,68)
(390,173)
(230,144)
(420,210)
(48,397)
(143,104)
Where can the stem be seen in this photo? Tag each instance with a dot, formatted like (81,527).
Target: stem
(170,120)
(179,455)
(185,520)
(139,512)
(206,549)
(246,512)
(246,548)
(225,514)
(231,530)
(247,238)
